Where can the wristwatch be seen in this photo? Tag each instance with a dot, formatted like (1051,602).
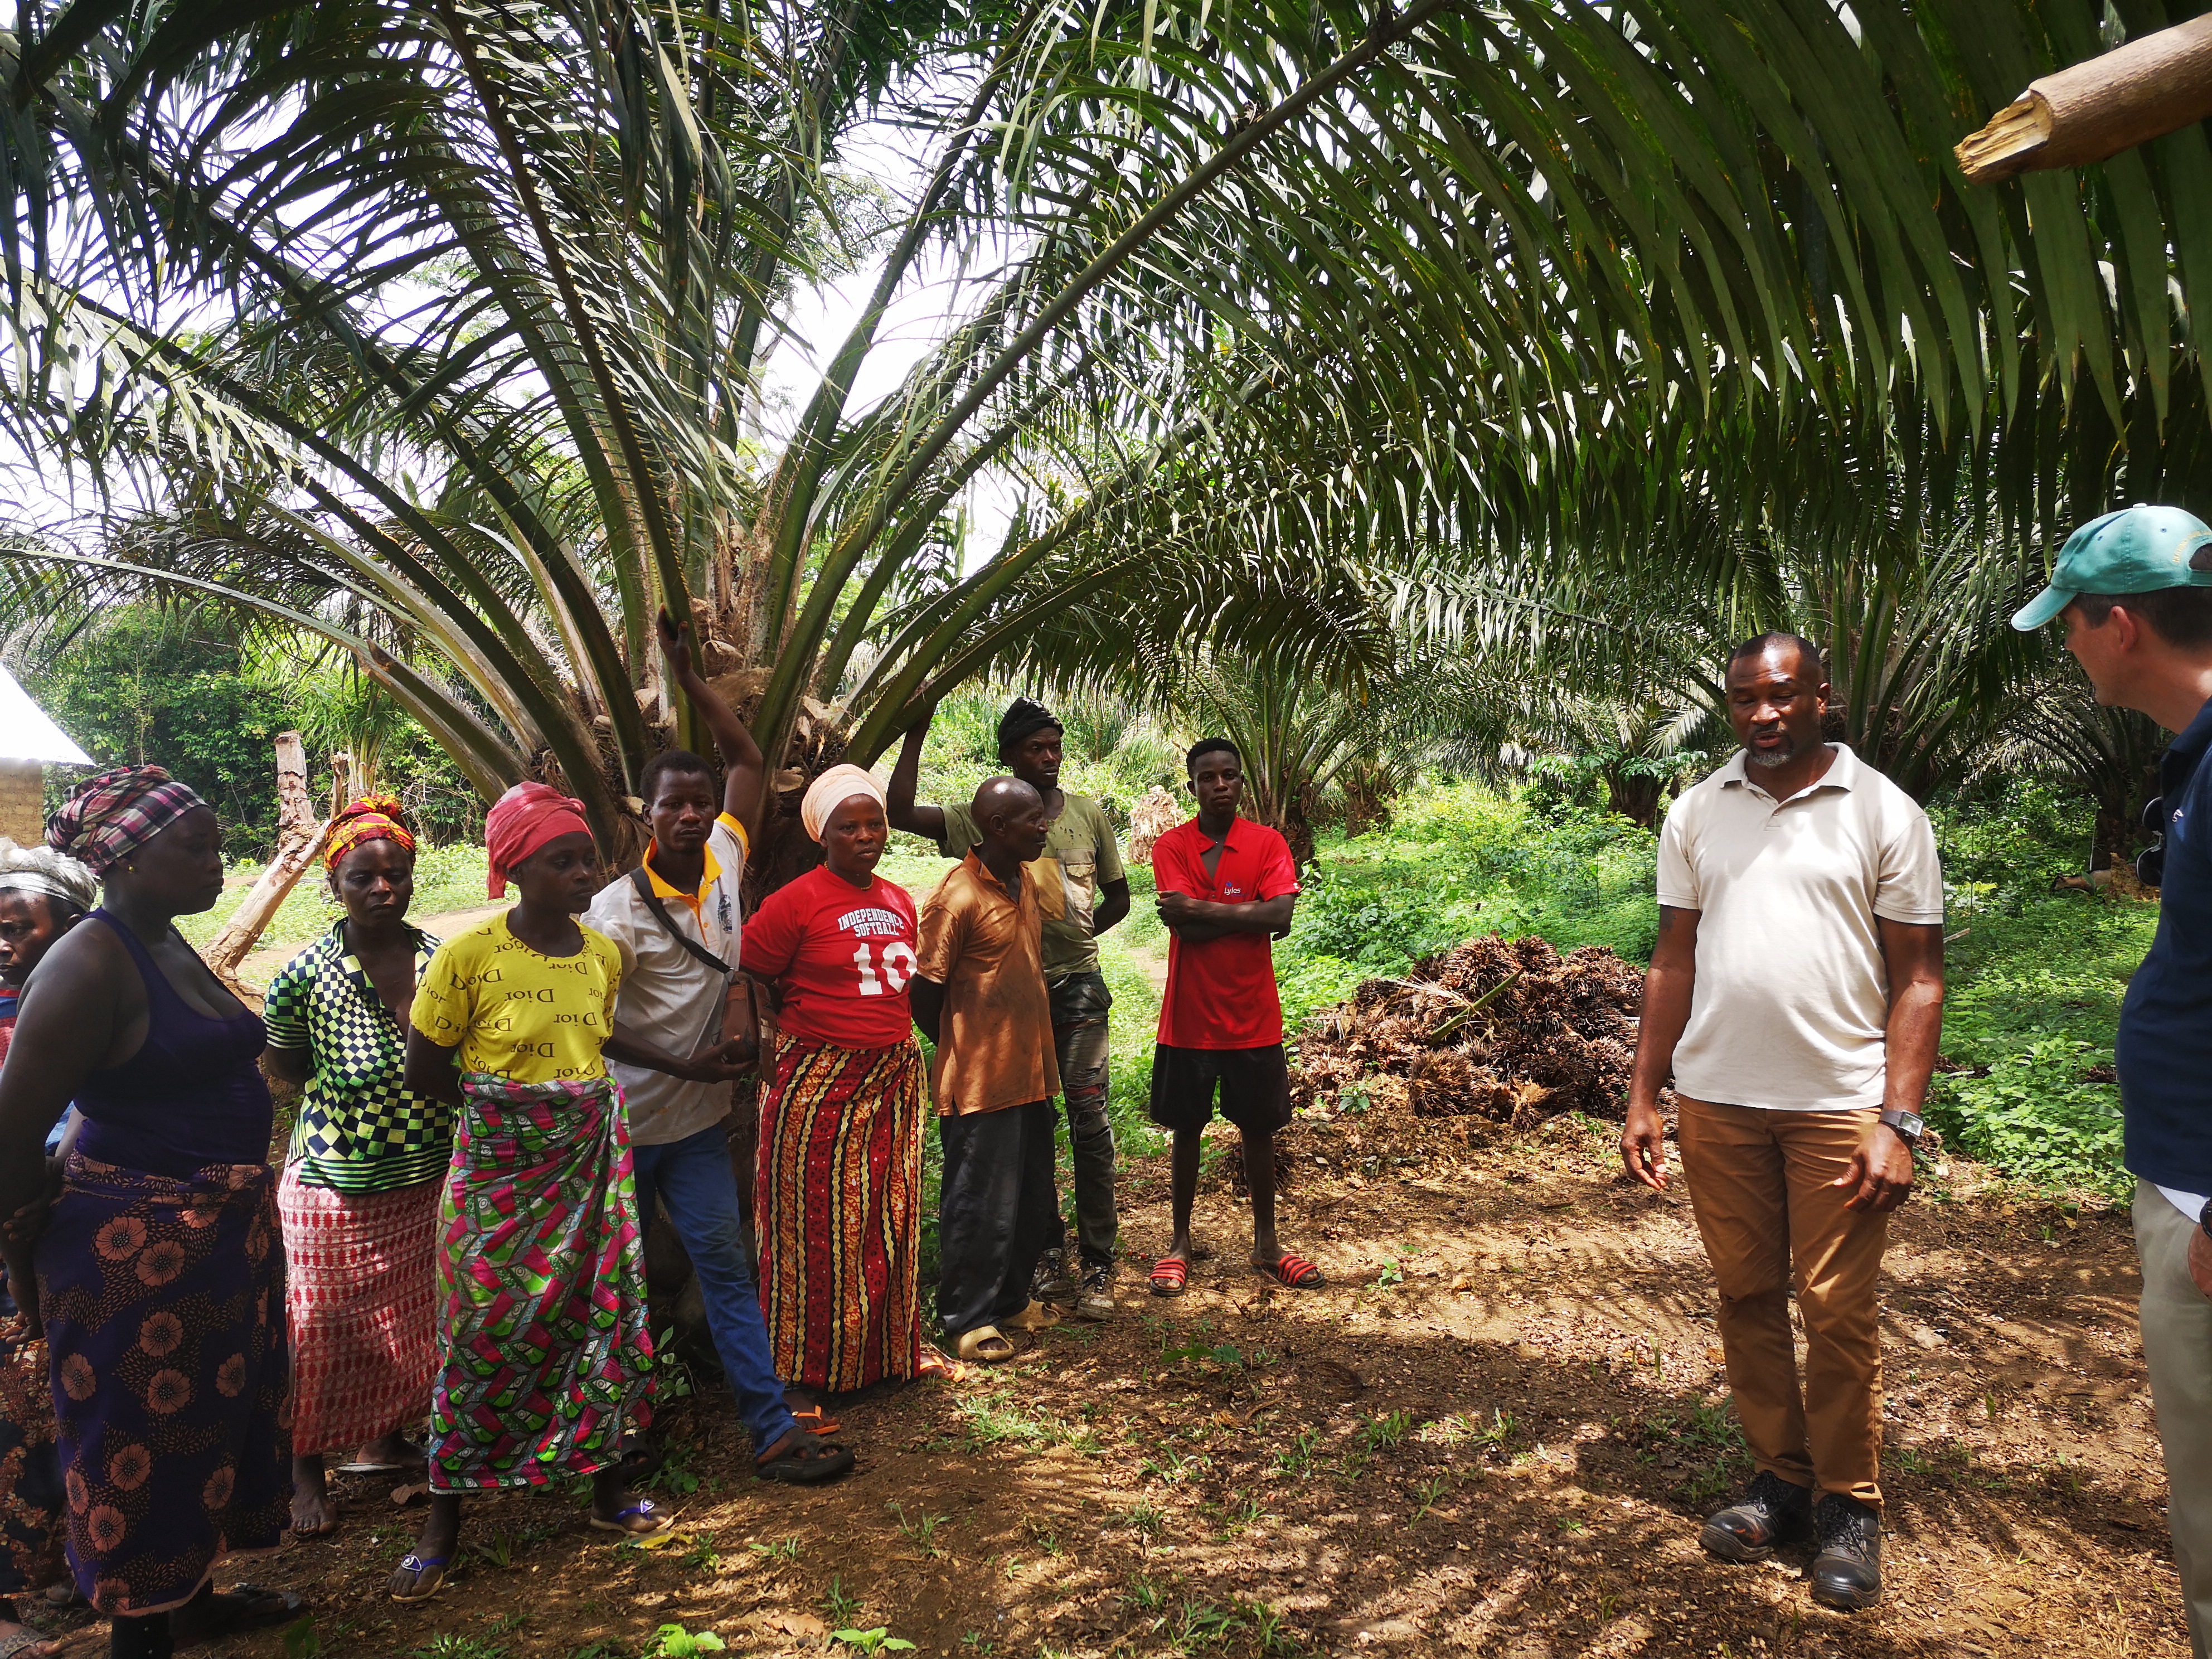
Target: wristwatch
(1908,1125)
(2204,1218)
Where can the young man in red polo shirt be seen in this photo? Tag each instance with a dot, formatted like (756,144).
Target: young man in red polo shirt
(1226,886)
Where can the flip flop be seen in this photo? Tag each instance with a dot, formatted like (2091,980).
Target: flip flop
(425,1576)
(805,1464)
(1171,1277)
(644,1510)
(228,1612)
(933,1362)
(815,1420)
(19,1646)
(379,1468)
(1035,1317)
(1292,1272)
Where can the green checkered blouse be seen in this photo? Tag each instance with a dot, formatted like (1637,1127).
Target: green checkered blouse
(359,1130)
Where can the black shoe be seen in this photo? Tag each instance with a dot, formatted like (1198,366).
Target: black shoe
(1095,1299)
(1051,1282)
(1772,1512)
(1847,1572)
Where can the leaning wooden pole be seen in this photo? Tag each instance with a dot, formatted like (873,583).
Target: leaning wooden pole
(2143,90)
(300,832)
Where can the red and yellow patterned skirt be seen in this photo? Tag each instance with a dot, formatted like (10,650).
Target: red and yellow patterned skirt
(838,1204)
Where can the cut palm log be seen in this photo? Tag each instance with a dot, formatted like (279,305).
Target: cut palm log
(301,832)
(2143,90)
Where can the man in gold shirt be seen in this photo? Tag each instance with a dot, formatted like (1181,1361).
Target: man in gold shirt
(978,994)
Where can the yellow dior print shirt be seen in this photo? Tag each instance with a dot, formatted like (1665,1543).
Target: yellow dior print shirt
(516,1014)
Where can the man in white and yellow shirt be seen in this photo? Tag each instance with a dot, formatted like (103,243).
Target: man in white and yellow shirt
(676,921)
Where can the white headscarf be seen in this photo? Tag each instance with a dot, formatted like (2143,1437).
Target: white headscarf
(42,870)
(831,790)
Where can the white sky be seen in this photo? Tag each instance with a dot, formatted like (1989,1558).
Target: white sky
(36,494)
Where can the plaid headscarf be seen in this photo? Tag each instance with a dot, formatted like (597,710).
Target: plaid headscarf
(373,818)
(114,811)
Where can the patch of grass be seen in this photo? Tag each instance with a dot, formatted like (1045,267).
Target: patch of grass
(786,1550)
(1701,1491)
(1387,1433)
(1244,1515)
(1300,1458)
(451,1644)
(1143,1596)
(838,1603)
(1173,1467)
(920,1533)
(997,1419)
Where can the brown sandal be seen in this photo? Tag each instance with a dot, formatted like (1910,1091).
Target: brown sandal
(986,1345)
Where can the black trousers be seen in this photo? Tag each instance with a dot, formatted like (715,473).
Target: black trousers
(997,1213)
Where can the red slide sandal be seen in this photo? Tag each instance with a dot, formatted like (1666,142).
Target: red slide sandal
(1169,1276)
(1292,1272)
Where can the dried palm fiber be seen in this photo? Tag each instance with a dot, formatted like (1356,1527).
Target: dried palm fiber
(1508,1031)
(1150,818)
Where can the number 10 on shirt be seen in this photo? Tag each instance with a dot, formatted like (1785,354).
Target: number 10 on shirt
(897,965)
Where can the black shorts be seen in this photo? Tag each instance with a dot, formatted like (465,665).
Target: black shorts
(1255,1087)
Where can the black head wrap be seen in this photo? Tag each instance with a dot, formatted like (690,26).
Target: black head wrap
(1025,717)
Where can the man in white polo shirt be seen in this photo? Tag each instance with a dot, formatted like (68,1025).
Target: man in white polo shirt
(675,919)
(1796,995)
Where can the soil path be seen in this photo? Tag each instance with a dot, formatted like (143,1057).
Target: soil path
(1153,961)
(1493,1432)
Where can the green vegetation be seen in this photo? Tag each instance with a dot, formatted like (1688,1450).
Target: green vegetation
(674,1642)
(446,879)
(141,683)
(1461,859)
(2036,978)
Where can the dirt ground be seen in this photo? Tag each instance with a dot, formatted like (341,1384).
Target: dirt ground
(1492,1433)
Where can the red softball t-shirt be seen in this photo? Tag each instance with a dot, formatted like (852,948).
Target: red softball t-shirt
(842,957)
(1221,992)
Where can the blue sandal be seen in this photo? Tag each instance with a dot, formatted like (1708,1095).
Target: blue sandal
(644,1510)
(419,1572)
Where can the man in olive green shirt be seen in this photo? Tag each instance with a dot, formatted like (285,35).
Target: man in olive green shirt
(1080,838)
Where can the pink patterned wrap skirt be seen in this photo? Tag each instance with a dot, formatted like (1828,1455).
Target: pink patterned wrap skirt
(361,1296)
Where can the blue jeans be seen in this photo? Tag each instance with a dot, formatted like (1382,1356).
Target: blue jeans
(693,1177)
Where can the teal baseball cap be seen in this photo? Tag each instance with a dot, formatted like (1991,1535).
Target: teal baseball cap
(2137,549)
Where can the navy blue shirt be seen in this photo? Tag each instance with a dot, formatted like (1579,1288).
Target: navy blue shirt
(2165,1047)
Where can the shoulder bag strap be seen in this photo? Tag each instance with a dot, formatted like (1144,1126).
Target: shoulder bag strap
(643,883)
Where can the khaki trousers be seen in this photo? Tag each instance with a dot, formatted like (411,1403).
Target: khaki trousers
(1759,1182)
(2177,1339)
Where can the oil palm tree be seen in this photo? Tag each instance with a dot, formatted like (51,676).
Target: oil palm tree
(443,324)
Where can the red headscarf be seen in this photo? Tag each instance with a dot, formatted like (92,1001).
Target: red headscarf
(523,820)
(373,818)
